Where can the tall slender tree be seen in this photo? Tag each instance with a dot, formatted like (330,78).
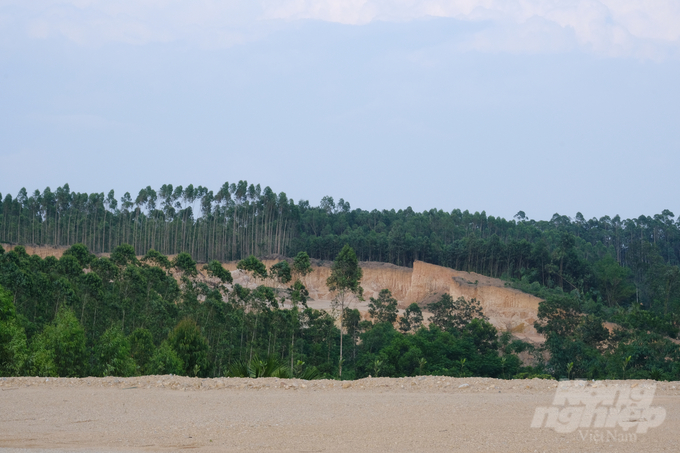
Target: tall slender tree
(345,283)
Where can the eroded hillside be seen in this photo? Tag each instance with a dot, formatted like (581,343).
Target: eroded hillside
(507,308)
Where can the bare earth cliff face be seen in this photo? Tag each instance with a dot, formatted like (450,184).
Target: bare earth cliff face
(507,308)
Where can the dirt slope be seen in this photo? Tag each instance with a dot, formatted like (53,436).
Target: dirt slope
(507,308)
(41,251)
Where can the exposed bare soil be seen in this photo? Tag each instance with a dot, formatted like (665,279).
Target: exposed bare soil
(507,308)
(170,413)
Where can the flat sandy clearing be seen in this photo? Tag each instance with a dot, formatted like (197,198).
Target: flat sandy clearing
(170,413)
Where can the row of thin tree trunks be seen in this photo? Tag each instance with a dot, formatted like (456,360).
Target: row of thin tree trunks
(206,239)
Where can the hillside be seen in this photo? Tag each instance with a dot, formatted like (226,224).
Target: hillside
(124,307)
(507,308)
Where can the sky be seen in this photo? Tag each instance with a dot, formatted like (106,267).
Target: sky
(544,106)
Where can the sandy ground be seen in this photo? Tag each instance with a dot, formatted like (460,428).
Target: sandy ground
(170,413)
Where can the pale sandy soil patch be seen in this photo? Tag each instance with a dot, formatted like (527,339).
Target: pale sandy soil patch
(170,413)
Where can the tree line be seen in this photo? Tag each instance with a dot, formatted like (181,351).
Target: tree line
(237,221)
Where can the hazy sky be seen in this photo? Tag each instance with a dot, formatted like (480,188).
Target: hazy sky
(537,105)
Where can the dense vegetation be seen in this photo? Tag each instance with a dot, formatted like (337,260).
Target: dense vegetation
(624,271)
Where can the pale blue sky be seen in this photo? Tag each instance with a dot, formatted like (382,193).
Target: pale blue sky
(537,105)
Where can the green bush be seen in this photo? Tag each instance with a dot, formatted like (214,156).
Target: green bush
(190,345)
(142,349)
(112,354)
(60,349)
(165,361)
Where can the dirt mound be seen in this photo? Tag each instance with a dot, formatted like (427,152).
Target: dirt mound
(412,384)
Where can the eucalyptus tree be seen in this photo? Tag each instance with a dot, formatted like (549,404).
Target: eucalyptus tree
(195,224)
(263,298)
(188,197)
(302,265)
(448,313)
(185,265)
(63,205)
(142,349)
(253,266)
(166,195)
(215,269)
(352,322)
(191,347)
(207,217)
(345,283)
(79,207)
(224,200)
(251,206)
(112,354)
(296,292)
(281,272)
(384,308)
(412,319)
(152,216)
(239,191)
(21,200)
(327,204)
(35,204)
(124,255)
(154,258)
(125,205)
(269,202)
(95,205)
(49,214)
(282,224)
(177,195)
(110,204)
(5,204)
(140,200)
(61,349)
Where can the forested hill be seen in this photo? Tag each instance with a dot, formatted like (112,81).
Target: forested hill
(613,260)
